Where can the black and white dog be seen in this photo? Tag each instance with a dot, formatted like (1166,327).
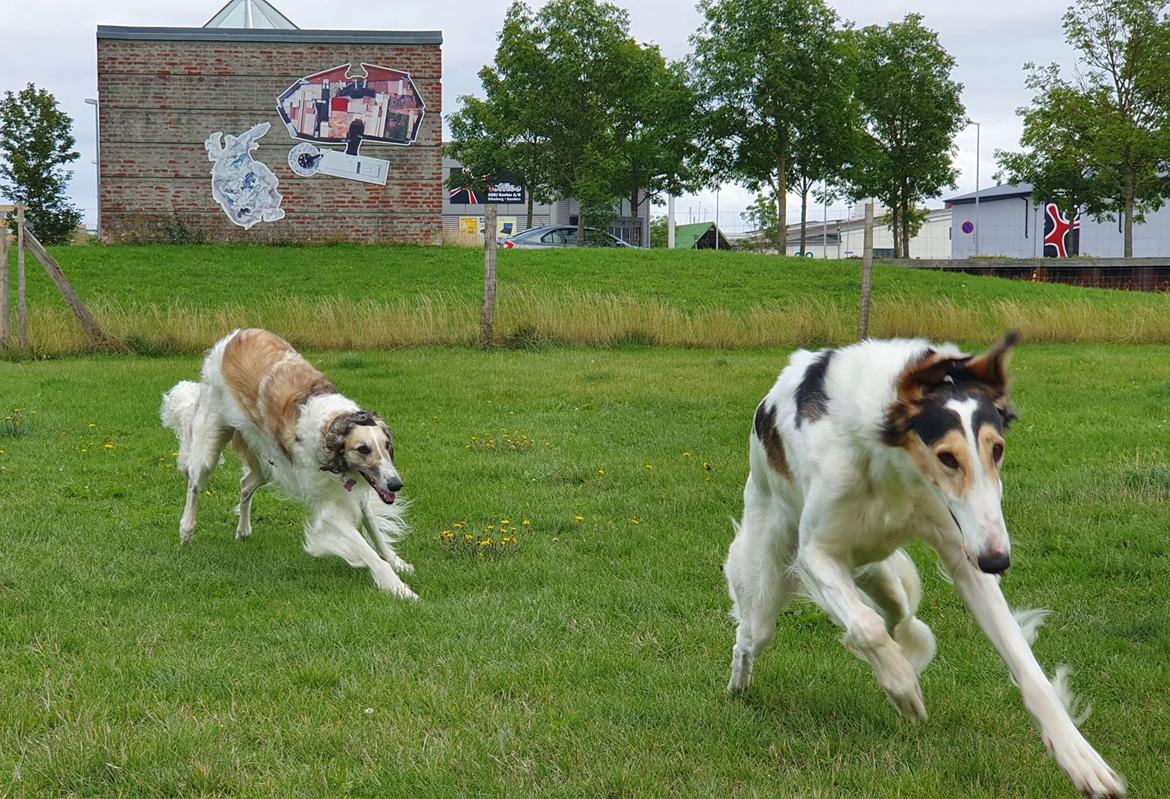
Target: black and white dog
(853,453)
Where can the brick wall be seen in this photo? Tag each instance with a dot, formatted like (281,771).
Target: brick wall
(161,99)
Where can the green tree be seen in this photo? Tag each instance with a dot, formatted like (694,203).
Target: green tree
(654,118)
(36,143)
(761,65)
(911,111)
(1057,129)
(502,132)
(764,215)
(1118,105)
(659,233)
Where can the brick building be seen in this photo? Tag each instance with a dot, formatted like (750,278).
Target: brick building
(269,134)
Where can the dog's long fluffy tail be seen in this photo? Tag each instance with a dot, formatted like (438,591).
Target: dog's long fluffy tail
(178,413)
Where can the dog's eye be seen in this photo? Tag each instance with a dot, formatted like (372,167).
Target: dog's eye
(997,452)
(363,449)
(948,460)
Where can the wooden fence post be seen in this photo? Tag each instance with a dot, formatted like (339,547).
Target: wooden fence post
(488,316)
(88,324)
(866,274)
(21,307)
(5,323)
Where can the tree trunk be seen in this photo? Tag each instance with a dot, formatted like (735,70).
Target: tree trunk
(1127,211)
(528,226)
(906,232)
(895,219)
(636,233)
(803,220)
(782,203)
(581,226)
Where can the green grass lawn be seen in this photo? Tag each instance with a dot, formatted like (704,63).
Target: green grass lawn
(587,660)
(179,299)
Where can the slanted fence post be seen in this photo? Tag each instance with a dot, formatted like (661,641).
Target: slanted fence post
(5,323)
(21,307)
(488,317)
(866,274)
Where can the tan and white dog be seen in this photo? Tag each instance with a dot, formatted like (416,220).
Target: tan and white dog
(855,452)
(290,425)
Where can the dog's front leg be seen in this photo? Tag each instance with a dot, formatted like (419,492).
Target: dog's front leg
(1089,772)
(334,533)
(832,587)
(383,546)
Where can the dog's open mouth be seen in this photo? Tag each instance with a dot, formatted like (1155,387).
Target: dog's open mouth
(384,495)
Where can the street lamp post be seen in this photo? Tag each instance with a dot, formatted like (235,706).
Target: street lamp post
(978,134)
(97,160)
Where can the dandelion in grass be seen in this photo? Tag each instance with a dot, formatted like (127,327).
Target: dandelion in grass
(601,472)
(108,445)
(649,467)
(579,519)
(707,466)
(635,521)
(526,523)
(686,455)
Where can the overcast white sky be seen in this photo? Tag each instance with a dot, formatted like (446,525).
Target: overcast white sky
(52,43)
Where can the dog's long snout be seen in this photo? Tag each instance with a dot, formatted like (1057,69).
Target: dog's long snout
(394,483)
(994,562)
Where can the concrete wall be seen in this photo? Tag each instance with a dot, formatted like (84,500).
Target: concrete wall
(1014,228)
(160,99)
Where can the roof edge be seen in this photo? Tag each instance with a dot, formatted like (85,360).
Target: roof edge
(162,34)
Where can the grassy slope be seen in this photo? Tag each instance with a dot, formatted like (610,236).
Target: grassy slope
(211,276)
(589,660)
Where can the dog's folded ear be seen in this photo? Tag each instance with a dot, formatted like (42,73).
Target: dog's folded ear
(990,367)
(929,371)
(333,443)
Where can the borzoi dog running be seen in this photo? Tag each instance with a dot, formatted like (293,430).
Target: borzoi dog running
(855,452)
(290,425)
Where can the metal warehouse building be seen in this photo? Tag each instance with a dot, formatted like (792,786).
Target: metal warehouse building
(1009,224)
(249,133)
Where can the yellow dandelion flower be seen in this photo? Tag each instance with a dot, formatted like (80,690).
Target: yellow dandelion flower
(579,518)
(706,466)
(635,521)
(526,523)
(487,542)
(108,446)
(83,449)
(91,425)
(601,472)
(649,467)
(208,493)
(686,454)
(458,525)
(468,537)
(505,521)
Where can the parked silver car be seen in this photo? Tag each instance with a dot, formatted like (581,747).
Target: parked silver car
(560,236)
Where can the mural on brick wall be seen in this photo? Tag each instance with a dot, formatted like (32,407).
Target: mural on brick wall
(1062,238)
(377,104)
(245,189)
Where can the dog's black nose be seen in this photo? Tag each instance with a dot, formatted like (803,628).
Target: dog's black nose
(995,563)
(394,484)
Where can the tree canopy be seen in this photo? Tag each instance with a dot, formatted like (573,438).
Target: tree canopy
(36,142)
(1101,141)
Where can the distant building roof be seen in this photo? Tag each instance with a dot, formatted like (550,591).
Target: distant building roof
(1000,192)
(250,14)
(686,237)
(268,35)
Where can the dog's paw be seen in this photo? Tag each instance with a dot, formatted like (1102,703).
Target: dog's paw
(741,673)
(1088,771)
(389,582)
(903,690)
(403,568)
